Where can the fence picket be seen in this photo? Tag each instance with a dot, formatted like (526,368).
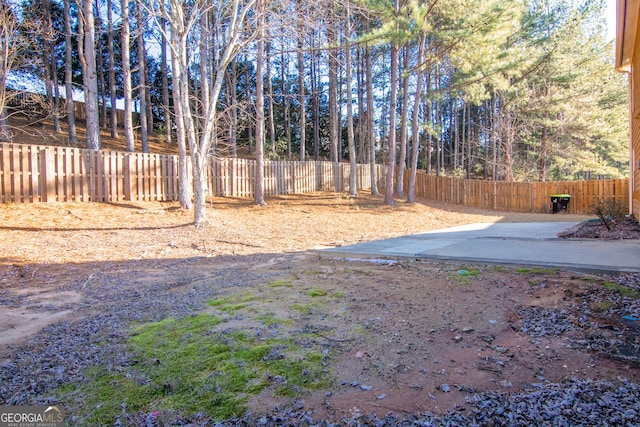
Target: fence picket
(32,173)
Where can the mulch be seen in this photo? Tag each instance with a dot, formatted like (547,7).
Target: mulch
(627,228)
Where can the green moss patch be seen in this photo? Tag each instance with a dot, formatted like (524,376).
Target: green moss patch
(317,292)
(188,365)
(622,290)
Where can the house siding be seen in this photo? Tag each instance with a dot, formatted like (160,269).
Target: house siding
(634,90)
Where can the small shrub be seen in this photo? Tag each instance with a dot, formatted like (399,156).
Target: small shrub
(610,212)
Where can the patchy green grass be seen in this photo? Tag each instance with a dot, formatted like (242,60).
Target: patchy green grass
(316,292)
(270,319)
(187,365)
(281,284)
(231,304)
(464,275)
(537,270)
(622,290)
(307,308)
(601,306)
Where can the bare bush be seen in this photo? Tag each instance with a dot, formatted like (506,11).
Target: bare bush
(610,212)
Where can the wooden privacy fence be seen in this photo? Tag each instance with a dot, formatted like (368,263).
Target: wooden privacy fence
(520,196)
(34,173)
(236,177)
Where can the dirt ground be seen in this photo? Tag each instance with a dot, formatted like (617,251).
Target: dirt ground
(402,336)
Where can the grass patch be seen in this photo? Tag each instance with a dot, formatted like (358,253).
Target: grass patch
(186,365)
(465,275)
(315,292)
(233,307)
(308,308)
(601,306)
(537,270)
(270,319)
(281,284)
(622,290)
(234,303)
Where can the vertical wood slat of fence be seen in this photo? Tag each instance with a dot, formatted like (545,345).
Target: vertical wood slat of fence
(7,194)
(17,173)
(19,178)
(34,173)
(64,189)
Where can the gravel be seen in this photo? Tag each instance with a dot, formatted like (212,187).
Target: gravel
(574,402)
(61,352)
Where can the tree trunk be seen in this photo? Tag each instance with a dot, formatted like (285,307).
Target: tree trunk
(166,108)
(494,138)
(353,173)
(102,87)
(233,129)
(427,111)
(90,78)
(453,125)
(259,180)
(463,141)
(334,123)
(388,197)
(203,81)
(402,162)
(360,127)
(68,76)
(56,97)
(469,153)
(315,90)
(147,92)
(284,65)
(437,137)
(415,132)
(301,94)
(370,119)
(184,183)
(112,74)
(51,79)
(142,83)
(271,98)
(126,77)
(248,95)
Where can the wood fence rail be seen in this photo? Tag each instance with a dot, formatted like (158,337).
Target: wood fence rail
(520,196)
(35,173)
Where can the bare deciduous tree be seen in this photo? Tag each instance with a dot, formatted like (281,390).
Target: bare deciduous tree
(234,32)
(87,54)
(125,35)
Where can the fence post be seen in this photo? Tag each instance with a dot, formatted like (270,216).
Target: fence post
(47,175)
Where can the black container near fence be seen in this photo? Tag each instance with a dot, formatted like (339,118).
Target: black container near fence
(560,202)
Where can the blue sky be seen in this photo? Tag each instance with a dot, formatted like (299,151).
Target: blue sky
(611,19)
